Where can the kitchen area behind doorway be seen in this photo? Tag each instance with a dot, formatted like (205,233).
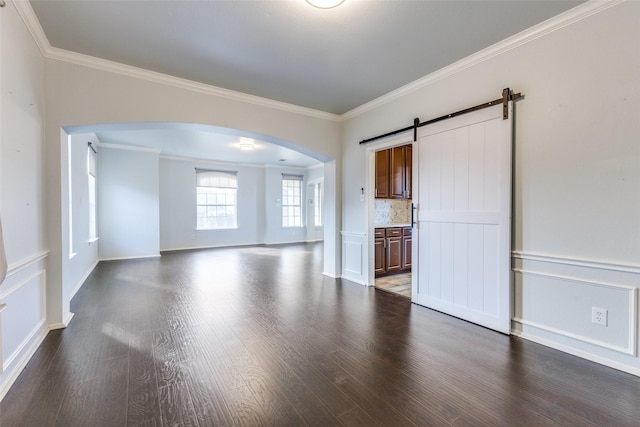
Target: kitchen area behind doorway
(393,230)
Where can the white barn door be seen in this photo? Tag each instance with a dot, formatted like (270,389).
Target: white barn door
(462,192)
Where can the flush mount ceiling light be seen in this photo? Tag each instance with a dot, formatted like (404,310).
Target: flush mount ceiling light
(325,4)
(246,144)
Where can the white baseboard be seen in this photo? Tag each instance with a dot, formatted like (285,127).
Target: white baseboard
(192,248)
(130,257)
(575,352)
(30,346)
(354,280)
(82,280)
(28,349)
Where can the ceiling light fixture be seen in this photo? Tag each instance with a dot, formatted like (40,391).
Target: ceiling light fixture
(246,144)
(325,4)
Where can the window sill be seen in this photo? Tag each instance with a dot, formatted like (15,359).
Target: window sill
(93,240)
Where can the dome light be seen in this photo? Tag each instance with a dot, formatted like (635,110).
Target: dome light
(325,4)
(246,144)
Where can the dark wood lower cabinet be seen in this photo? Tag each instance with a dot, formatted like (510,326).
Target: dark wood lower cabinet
(380,256)
(406,249)
(394,254)
(390,247)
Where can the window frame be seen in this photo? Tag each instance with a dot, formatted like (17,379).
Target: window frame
(318,196)
(289,204)
(219,194)
(92,180)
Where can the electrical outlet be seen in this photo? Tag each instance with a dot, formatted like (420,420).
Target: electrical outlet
(599,316)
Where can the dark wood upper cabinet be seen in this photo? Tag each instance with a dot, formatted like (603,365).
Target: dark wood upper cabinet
(382,174)
(393,173)
(397,169)
(408,159)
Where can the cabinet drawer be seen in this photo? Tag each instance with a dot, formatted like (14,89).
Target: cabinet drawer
(394,232)
(379,232)
(407,231)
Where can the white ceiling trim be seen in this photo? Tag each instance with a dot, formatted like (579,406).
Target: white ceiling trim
(238,164)
(31,21)
(562,20)
(128,147)
(33,25)
(211,162)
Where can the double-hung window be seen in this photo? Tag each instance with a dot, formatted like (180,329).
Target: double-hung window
(317,204)
(216,204)
(291,200)
(91,167)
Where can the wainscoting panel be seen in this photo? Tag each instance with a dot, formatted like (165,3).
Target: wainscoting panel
(23,316)
(354,266)
(554,297)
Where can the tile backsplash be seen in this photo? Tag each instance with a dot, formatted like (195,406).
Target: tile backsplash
(389,211)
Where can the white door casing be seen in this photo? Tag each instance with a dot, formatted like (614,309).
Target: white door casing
(462,192)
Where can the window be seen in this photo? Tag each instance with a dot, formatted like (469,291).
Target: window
(91,167)
(70,176)
(291,201)
(317,203)
(216,199)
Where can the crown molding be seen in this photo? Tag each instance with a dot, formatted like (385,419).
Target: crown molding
(211,162)
(551,25)
(33,25)
(128,147)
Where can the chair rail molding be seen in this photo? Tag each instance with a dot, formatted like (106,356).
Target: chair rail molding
(578,262)
(26,263)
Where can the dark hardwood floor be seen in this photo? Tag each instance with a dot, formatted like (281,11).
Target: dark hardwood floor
(257,336)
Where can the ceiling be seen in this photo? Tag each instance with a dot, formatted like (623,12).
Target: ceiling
(331,60)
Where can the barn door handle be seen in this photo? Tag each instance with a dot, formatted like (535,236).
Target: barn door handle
(413,207)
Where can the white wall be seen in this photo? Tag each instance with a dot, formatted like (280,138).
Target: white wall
(178,206)
(577,174)
(259,215)
(128,203)
(23,322)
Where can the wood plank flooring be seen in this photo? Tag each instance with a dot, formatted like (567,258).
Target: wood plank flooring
(256,336)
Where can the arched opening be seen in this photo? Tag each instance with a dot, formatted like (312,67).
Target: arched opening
(146,193)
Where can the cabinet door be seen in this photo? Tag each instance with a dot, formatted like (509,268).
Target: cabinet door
(382,174)
(380,256)
(394,253)
(397,170)
(406,252)
(408,169)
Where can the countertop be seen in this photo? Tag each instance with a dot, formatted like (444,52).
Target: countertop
(391,225)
